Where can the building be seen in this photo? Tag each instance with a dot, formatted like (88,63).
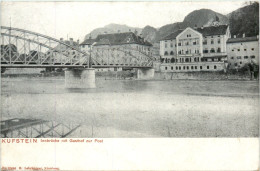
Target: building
(87,44)
(242,51)
(119,48)
(195,49)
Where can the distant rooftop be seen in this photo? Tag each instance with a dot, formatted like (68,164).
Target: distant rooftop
(242,39)
(88,41)
(120,38)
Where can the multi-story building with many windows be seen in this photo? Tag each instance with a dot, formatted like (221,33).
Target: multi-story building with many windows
(117,48)
(242,51)
(195,49)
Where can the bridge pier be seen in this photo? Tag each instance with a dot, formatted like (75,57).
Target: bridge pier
(145,74)
(80,78)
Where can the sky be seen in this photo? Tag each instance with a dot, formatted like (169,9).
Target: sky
(76,19)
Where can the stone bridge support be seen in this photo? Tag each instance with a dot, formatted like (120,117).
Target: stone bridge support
(80,78)
(145,74)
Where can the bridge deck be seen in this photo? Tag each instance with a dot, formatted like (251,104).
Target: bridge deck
(70,66)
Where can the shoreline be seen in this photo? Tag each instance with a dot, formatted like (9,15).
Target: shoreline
(159,76)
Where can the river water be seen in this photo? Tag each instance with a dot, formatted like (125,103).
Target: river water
(131,108)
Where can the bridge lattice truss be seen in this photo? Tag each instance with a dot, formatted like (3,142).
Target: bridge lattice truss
(23,48)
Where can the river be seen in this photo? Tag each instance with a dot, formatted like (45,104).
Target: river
(132,108)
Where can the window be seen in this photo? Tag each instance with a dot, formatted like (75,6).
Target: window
(207,67)
(215,67)
(195,67)
(171,53)
(165,53)
(191,67)
(245,57)
(235,64)
(240,62)
(183,67)
(165,68)
(176,68)
(212,50)
(83,46)
(205,42)
(179,68)
(171,44)
(232,57)
(200,67)
(187,67)
(179,44)
(212,41)
(218,41)
(165,45)
(244,49)
(219,50)
(238,49)
(238,57)
(253,57)
(252,49)
(205,51)
(194,43)
(171,68)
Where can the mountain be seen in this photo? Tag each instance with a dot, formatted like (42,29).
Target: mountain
(204,17)
(112,28)
(245,20)
(149,33)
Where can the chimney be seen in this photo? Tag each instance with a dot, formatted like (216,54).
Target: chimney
(244,35)
(136,32)
(235,36)
(61,39)
(71,41)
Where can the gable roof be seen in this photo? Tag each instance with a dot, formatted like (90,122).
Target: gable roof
(88,42)
(213,30)
(242,39)
(120,38)
(205,31)
(172,35)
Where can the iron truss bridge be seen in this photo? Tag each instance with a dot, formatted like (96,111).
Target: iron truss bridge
(26,49)
(36,128)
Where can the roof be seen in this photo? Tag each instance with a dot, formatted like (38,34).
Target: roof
(68,43)
(88,42)
(120,38)
(242,39)
(213,30)
(172,35)
(205,31)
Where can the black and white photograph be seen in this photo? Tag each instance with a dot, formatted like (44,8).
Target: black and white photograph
(173,69)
